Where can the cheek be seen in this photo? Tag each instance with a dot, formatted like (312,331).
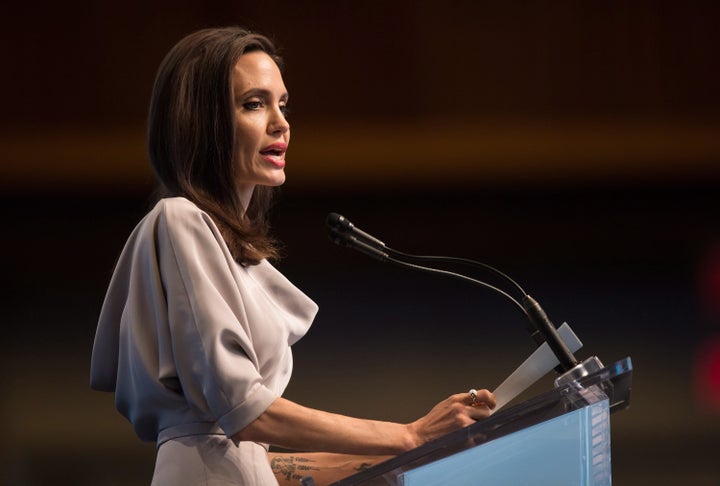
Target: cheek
(246,140)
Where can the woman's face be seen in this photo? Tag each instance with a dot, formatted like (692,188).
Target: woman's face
(262,133)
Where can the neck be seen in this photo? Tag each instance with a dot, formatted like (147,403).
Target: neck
(245,195)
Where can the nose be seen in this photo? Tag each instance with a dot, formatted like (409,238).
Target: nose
(278,124)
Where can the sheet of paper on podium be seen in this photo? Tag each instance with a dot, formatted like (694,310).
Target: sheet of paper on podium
(540,363)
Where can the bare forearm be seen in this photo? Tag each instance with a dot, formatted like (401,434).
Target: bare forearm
(324,468)
(287,424)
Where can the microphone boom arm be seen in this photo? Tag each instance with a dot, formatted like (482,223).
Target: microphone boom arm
(343,232)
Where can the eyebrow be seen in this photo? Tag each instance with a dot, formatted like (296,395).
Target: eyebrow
(266,93)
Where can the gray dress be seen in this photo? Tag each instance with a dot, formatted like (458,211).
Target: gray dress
(195,346)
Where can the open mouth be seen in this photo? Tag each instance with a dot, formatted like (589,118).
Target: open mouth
(275,154)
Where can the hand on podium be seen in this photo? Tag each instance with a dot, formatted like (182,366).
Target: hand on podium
(455,412)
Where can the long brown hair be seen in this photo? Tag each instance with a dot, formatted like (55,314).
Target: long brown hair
(191,136)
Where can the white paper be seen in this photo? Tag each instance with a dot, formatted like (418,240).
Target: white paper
(541,362)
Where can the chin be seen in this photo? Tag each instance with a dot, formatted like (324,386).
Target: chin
(279,181)
(273,183)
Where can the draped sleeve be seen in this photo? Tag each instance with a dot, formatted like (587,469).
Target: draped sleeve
(186,335)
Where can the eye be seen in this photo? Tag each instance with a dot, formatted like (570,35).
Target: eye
(252,105)
(284,110)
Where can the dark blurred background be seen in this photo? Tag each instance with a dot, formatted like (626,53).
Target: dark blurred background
(573,144)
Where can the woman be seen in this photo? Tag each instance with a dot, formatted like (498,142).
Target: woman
(195,332)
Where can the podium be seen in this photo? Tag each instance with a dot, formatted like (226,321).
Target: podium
(561,437)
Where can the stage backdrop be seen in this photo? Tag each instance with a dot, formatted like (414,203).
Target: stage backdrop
(572,144)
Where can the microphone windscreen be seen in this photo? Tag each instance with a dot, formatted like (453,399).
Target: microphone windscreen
(337,222)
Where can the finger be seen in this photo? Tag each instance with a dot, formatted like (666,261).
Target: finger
(479,411)
(485,397)
(473,396)
(464,398)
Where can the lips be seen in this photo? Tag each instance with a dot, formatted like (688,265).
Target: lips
(275,154)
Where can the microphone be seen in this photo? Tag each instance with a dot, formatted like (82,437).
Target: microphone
(350,241)
(344,233)
(344,227)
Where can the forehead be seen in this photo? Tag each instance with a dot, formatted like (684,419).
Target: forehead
(256,70)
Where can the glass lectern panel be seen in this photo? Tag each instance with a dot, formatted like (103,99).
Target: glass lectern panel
(572,450)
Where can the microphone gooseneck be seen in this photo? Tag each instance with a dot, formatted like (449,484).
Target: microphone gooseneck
(547,330)
(339,226)
(344,233)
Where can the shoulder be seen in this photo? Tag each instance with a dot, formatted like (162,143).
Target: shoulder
(174,220)
(179,222)
(176,207)
(179,214)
